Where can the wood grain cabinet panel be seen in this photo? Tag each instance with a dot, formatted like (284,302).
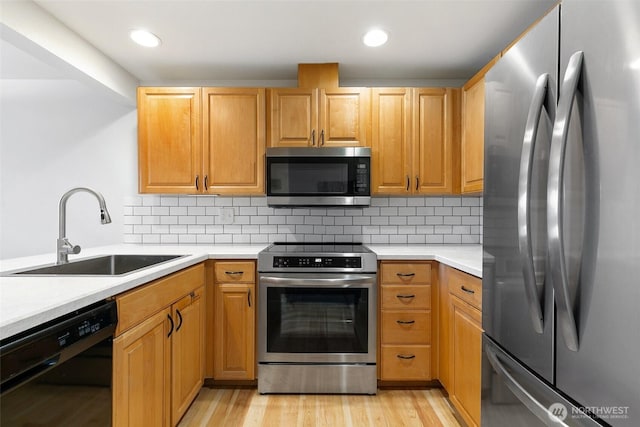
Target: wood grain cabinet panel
(234,140)
(169,139)
(158,361)
(201,140)
(311,117)
(405,321)
(234,320)
(412,140)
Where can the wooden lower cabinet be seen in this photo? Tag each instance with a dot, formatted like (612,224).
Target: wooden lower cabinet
(141,374)
(234,321)
(158,358)
(405,321)
(467,355)
(187,352)
(460,341)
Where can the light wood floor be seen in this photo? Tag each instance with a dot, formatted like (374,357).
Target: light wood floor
(392,408)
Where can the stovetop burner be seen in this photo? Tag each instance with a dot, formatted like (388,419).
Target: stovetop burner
(319,247)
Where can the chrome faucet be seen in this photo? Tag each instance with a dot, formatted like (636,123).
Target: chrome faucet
(64,246)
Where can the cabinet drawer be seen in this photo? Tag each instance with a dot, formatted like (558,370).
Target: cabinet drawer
(235,272)
(405,273)
(401,327)
(411,362)
(396,297)
(466,287)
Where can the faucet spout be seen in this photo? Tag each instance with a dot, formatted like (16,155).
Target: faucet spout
(64,247)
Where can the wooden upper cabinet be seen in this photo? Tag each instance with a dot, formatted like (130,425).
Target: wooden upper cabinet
(234,140)
(344,117)
(169,139)
(432,136)
(390,140)
(411,140)
(472,144)
(293,117)
(333,117)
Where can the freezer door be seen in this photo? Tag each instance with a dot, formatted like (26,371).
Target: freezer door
(601,194)
(513,396)
(520,105)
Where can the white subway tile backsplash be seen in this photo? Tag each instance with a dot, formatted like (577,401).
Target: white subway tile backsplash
(389,220)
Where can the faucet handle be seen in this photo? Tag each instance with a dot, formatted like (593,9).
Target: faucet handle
(75,249)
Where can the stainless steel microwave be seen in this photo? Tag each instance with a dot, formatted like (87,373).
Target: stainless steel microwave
(301,176)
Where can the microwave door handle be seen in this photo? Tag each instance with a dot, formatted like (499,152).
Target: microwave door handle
(559,274)
(524,196)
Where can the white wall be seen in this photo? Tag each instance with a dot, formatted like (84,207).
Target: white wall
(56,135)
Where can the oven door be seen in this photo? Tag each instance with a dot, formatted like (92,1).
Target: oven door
(317,318)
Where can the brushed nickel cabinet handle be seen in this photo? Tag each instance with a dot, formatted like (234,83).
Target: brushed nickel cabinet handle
(197,182)
(313,137)
(405,296)
(405,322)
(322,137)
(249,297)
(206,183)
(408,182)
(417,182)
(467,290)
(406,356)
(231,273)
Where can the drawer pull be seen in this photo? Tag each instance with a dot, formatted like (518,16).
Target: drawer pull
(467,290)
(405,296)
(406,356)
(405,274)
(232,273)
(405,322)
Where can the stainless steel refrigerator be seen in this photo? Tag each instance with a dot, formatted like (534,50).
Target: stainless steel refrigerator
(561,265)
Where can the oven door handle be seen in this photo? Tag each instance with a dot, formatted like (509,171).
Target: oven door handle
(311,281)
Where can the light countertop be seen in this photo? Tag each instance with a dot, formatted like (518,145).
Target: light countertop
(28,301)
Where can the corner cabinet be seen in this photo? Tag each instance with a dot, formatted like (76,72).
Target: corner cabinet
(461,341)
(201,140)
(330,117)
(234,320)
(158,350)
(472,143)
(412,140)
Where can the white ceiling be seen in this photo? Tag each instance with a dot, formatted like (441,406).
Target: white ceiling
(213,40)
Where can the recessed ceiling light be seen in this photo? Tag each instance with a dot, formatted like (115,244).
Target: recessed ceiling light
(144,38)
(375,38)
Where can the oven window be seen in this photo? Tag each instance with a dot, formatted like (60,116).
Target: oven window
(309,178)
(327,320)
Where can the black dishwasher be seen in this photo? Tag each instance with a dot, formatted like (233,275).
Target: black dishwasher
(59,373)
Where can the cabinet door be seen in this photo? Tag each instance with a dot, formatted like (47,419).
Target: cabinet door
(187,361)
(234,332)
(169,140)
(234,140)
(432,137)
(293,117)
(141,374)
(472,150)
(390,141)
(467,354)
(344,117)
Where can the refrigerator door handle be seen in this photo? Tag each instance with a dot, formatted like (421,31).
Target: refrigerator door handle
(537,408)
(566,320)
(534,297)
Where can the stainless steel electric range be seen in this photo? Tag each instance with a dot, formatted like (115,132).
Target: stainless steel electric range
(317,319)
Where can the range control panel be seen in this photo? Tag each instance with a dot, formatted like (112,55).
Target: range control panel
(316,261)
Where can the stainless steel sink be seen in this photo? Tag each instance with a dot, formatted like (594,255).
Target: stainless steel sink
(107,265)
